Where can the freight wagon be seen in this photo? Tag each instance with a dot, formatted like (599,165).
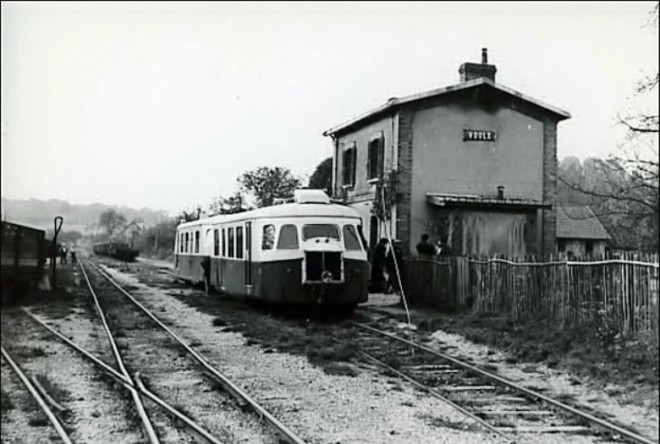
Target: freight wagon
(23,257)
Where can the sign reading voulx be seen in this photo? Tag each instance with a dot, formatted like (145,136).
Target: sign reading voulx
(478,135)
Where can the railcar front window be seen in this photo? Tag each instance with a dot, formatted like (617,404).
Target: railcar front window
(268,239)
(320,230)
(288,238)
(351,240)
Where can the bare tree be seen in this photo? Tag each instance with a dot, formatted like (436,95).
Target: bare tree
(110,220)
(624,188)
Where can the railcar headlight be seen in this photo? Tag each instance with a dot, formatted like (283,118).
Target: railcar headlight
(326,276)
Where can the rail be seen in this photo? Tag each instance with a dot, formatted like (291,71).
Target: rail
(51,416)
(607,425)
(146,422)
(287,434)
(128,384)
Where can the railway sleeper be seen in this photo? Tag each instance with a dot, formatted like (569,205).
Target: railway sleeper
(515,412)
(461,388)
(546,429)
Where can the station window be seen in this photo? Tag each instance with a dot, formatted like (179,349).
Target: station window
(239,242)
(197,241)
(216,243)
(288,238)
(230,241)
(351,240)
(376,159)
(348,166)
(268,239)
(224,243)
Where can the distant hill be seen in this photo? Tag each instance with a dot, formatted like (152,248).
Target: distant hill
(84,218)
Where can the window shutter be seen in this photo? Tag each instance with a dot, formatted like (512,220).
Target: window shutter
(369,160)
(381,156)
(353,165)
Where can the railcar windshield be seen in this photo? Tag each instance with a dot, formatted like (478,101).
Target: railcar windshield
(351,240)
(312,231)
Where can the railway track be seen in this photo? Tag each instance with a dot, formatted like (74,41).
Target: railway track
(111,302)
(500,406)
(38,395)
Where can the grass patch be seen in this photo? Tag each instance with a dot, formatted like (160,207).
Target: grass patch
(327,345)
(219,322)
(340,369)
(5,402)
(54,391)
(38,422)
(30,352)
(446,423)
(584,350)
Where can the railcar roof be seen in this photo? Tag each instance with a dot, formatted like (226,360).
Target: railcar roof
(277,211)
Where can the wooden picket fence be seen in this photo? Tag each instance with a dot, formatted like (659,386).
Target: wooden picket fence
(619,293)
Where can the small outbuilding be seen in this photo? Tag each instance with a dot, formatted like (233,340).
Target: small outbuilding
(580,232)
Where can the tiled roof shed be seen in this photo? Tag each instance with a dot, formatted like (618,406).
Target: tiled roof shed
(579,222)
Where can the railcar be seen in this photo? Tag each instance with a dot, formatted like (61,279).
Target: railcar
(310,251)
(23,256)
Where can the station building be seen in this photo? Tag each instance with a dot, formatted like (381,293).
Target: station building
(476,165)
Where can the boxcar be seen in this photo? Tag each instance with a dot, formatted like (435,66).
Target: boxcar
(306,252)
(23,255)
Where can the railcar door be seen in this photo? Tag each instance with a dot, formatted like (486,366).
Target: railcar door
(248,258)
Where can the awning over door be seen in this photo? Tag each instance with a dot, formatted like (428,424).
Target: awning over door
(466,200)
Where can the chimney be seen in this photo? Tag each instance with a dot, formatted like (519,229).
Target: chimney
(500,192)
(470,71)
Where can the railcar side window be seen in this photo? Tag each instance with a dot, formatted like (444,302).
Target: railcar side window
(320,230)
(224,243)
(186,249)
(216,243)
(351,240)
(180,242)
(268,239)
(288,238)
(239,242)
(230,241)
(197,241)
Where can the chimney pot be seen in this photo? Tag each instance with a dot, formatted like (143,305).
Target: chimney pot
(484,56)
(500,192)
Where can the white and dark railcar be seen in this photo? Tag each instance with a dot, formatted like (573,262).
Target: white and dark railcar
(307,252)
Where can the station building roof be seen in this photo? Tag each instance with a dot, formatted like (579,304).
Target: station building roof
(482,82)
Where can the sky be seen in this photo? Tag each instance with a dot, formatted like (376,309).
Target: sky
(164,104)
